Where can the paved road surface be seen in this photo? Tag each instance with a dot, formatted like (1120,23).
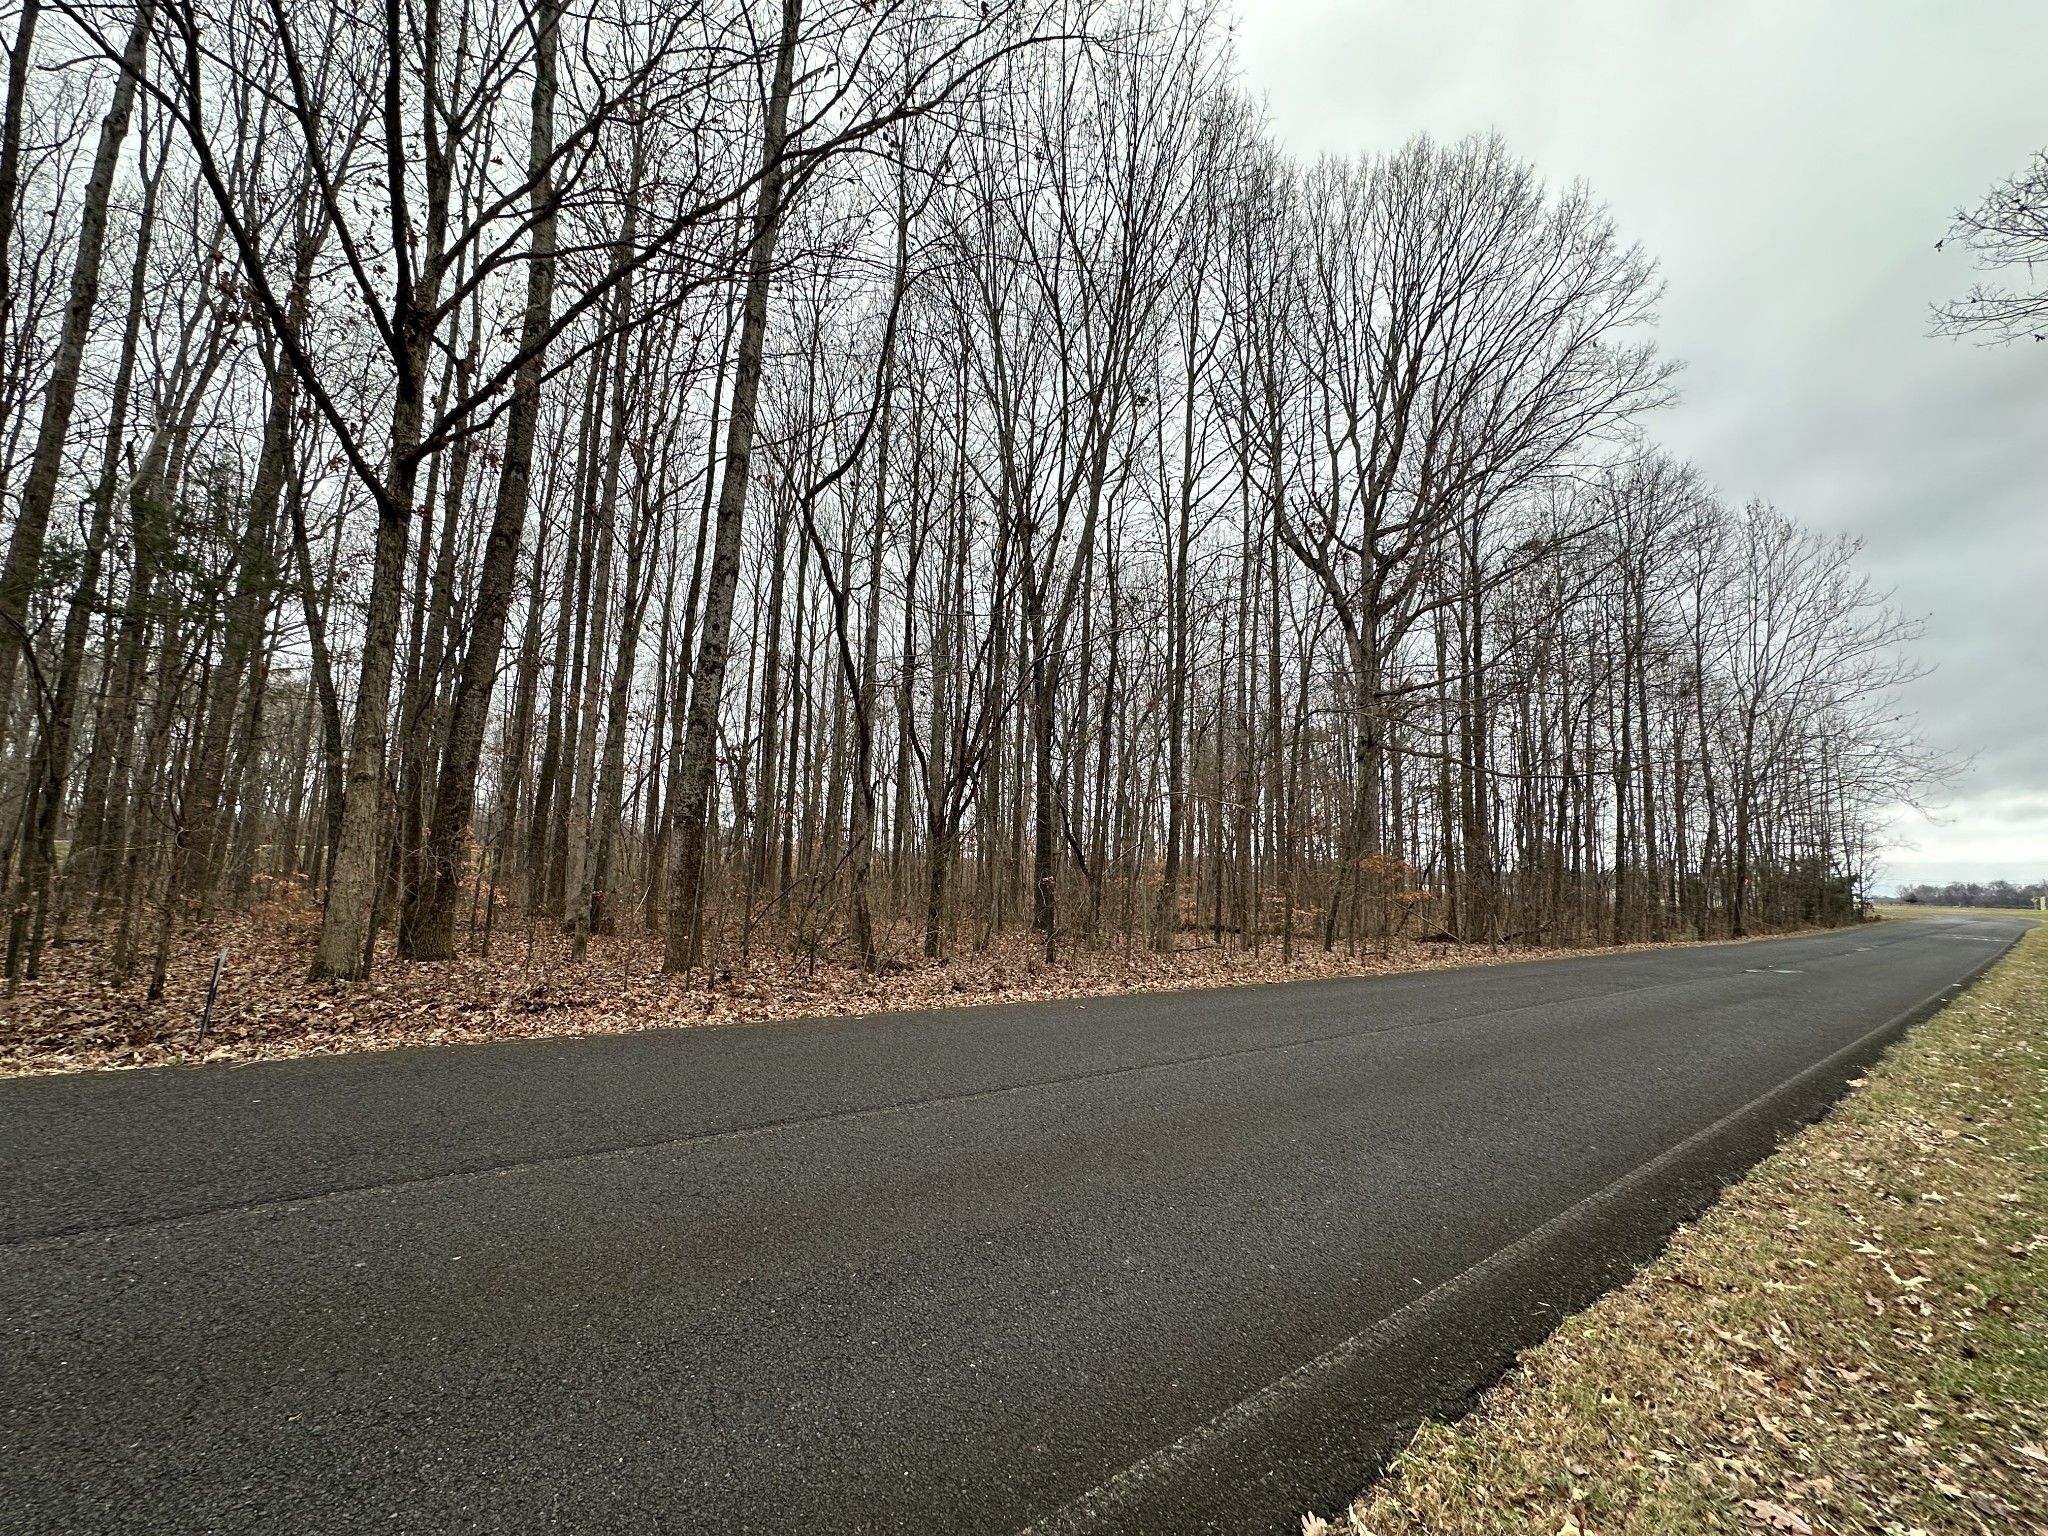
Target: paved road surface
(1176,1262)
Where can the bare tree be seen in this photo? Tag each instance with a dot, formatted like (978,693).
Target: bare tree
(931,476)
(2008,230)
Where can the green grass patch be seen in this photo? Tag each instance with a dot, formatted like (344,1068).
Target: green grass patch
(1853,1339)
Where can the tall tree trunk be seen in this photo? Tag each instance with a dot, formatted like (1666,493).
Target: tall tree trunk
(432,931)
(53,763)
(10,151)
(707,685)
(608,826)
(196,858)
(433,623)
(32,519)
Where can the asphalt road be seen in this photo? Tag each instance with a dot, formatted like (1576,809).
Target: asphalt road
(1178,1262)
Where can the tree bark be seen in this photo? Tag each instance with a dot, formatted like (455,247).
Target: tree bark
(707,685)
(32,520)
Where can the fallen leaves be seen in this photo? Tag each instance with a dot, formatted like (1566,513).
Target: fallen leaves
(1899,1388)
(1776,1516)
(76,1017)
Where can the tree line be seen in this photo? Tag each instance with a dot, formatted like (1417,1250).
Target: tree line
(1975,893)
(864,478)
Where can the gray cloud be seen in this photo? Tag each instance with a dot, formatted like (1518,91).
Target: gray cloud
(1791,168)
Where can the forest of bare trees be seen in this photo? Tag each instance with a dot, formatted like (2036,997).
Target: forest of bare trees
(858,479)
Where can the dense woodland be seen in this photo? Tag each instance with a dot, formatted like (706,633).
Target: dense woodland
(859,478)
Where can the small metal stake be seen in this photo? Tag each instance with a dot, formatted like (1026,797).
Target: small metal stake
(212,987)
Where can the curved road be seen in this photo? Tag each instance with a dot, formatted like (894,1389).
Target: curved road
(1177,1262)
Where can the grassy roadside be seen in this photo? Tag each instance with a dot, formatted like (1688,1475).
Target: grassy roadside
(1890,910)
(1854,1339)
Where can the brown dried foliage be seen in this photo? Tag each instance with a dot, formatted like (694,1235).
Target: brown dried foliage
(78,1017)
(1855,1339)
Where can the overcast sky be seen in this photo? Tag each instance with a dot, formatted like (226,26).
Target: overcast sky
(1790,163)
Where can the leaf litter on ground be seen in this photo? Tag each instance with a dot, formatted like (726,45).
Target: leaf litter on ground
(1828,1350)
(77,1016)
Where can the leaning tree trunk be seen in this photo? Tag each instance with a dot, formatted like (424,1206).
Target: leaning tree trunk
(198,857)
(707,685)
(10,150)
(431,933)
(39,494)
(53,758)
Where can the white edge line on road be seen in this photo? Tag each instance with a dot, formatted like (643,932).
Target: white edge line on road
(1085,1511)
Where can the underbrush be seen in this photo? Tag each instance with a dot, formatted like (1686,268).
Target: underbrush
(78,1015)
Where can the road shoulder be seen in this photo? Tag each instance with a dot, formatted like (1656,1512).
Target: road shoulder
(1854,1338)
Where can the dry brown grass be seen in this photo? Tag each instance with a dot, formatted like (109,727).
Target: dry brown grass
(1854,1339)
(75,1017)
(1905,909)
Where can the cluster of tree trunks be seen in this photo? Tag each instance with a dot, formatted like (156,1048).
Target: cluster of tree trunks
(860,479)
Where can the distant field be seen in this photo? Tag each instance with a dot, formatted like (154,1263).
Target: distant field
(1891,909)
